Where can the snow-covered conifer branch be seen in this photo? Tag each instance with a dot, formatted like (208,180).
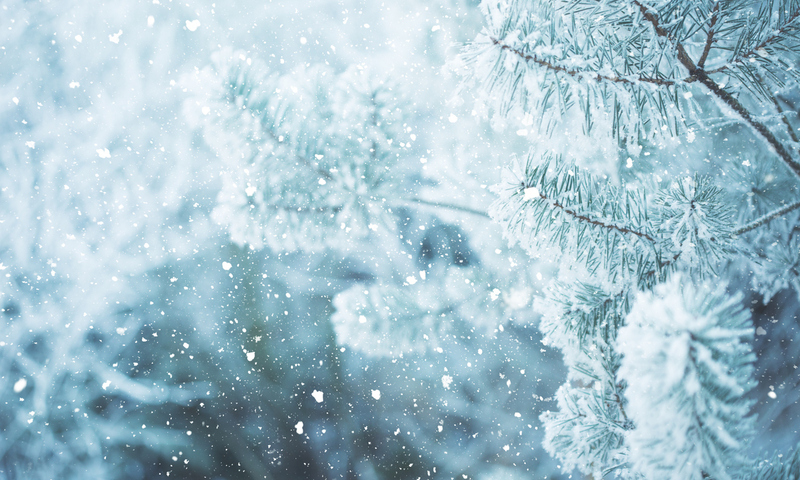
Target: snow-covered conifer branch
(588,430)
(742,21)
(766,218)
(779,467)
(311,156)
(687,361)
(548,58)
(778,265)
(695,223)
(551,203)
(631,69)
(762,34)
(418,313)
(575,315)
(578,73)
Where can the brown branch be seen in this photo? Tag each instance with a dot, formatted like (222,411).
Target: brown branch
(710,38)
(724,96)
(598,223)
(575,73)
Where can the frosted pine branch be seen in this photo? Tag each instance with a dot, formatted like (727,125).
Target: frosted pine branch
(310,157)
(554,204)
(764,219)
(688,364)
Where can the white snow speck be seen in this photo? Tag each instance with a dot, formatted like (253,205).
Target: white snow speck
(687,95)
(30,144)
(78,38)
(74,84)
(531,193)
(517,414)
(115,38)
(303,40)
(250,190)
(322,181)
(446,381)
(506,447)
(103,153)
(452,118)
(411,280)
(192,25)
(746,163)
(226,266)
(251,356)
(376,394)
(317,395)
(106,384)
(435,28)
(151,20)
(205,110)
(299,428)
(121,331)
(527,120)
(15,100)
(20,385)
(362,319)
(522,132)
(422,274)
(772,395)
(629,163)
(760,331)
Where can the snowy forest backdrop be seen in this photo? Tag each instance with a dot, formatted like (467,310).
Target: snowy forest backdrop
(175,303)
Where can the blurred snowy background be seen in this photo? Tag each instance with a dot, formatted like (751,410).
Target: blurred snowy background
(140,339)
(150,327)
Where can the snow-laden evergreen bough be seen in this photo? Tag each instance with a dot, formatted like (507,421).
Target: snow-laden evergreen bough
(660,362)
(687,362)
(318,160)
(312,156)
